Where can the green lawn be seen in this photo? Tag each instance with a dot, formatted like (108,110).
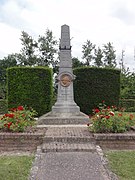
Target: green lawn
(122,163)
(15,167)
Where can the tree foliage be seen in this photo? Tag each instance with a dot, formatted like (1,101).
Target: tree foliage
(76,62)
(109,56)
(41,52)
(127,84)
(28,50)
(87,51)
(6,62)
(47,49)
(98,57)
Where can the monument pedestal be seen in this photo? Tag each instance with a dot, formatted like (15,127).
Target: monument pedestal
(63,119)
(65,107)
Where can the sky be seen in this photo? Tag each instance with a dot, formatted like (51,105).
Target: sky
(100,21)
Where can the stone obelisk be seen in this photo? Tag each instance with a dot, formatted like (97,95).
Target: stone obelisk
(65,104)
(65,110)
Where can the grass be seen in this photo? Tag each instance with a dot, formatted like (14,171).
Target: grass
(15,167)
(122,163)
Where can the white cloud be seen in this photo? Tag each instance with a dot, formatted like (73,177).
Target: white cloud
(99,21)
(9,39)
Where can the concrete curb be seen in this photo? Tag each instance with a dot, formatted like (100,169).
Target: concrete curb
(35,165)
(108,174)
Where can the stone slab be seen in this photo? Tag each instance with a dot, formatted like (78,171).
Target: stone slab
(68,147)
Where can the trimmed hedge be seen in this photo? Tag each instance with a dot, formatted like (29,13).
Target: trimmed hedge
(93,85)
(30,86)
(128,104)
(3,106)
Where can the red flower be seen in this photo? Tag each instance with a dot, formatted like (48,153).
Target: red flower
(107,117)
(6,115)
(119,114)
(9,124)
(103,101)
(5,125)
(131,116)
(96,110)
(9,115)
(20,108)
(111,113)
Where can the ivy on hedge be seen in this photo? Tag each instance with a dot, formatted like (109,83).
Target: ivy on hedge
(30,86)
(93,85)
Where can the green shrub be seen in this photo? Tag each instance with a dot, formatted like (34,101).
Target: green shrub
(92,85)
(106,120)
(30,86)
(3,106)
(17,119)
(128,104)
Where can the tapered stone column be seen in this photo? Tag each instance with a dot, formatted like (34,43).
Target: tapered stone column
(65,98)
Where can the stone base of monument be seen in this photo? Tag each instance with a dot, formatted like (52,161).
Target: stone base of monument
(66,112)
(52,118)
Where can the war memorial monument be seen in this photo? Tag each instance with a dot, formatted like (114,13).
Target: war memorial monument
(65,110)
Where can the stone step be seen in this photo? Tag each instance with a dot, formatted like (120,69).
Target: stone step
(57,121)
(68,132)
(68,135)
(50,119)
(68,139)
(68,147)
(65,139)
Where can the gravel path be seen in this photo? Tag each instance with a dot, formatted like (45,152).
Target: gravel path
(70,166)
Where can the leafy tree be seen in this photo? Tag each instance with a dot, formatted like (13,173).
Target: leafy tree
(28,50)
(109,56)
(127,83)
(6,62)
(87,51)
(98,57)
(121,63)
(76,62)
(127,80)
(41,52)
(47,49)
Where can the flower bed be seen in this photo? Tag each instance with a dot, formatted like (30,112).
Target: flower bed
(17,119)
(112,129)
(18,131)
(106,119)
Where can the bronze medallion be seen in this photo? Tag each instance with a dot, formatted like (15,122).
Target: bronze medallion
(65,80)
